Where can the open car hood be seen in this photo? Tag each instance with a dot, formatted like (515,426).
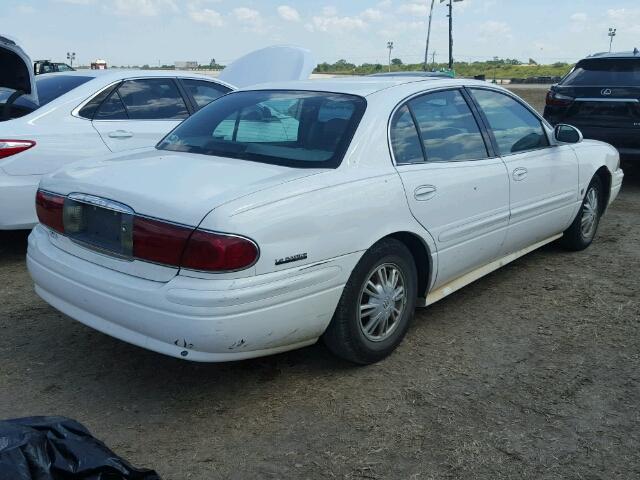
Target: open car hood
(16,70)
(270,64)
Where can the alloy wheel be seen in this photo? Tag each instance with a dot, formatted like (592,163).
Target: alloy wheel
(589,220)
(383,300)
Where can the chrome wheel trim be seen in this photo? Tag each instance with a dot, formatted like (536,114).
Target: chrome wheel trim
(382,301)
(589,220)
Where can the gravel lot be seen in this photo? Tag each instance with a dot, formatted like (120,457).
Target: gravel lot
(531,372)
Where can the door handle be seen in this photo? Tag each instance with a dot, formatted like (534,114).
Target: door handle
(120,134)
(520,174)
(424,193)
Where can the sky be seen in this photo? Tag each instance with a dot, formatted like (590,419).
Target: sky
(137,32)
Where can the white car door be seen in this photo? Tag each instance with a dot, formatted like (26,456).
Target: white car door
(456,188)
(543,177)
(140,112)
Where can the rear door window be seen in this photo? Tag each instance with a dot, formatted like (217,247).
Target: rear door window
(447,127)
(605,72)
(152,99)
(405,141)
(515,127)
(111,109)
(204,92)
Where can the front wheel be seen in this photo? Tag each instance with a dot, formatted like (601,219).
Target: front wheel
(584,227)
(376,306)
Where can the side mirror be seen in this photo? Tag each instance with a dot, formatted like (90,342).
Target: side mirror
(567,134)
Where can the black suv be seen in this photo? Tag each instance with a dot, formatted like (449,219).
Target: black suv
(601,96)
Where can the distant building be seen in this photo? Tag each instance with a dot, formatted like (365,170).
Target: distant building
(99,64)
(186,65)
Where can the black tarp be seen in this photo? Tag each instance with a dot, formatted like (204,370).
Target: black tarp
(58,448)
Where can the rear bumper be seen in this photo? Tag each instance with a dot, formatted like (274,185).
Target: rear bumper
(194,319)
(17,201)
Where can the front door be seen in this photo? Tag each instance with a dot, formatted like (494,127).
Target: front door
(455,188)
(543,178)
(139,113)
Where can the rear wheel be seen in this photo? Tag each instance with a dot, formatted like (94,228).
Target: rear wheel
(376,306)
(584,227)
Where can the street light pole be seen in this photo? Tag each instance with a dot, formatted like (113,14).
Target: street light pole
(390,47)
(612,33)
(426,50)
(71,56)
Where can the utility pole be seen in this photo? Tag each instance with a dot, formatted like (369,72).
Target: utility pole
(426,50)
(390,47)
(450,34)
(612,33)
(450,5)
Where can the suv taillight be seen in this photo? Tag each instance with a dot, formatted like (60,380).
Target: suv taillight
(49,208)
(178,246)
(558,100)
(11,147)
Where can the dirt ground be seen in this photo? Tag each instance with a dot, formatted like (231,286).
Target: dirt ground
(531,373)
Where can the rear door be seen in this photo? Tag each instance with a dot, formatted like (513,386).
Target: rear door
(456,187)
(606,100)
(140,112)
(543,178)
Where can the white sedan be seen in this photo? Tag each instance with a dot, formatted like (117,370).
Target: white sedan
(51,120)
(321,209)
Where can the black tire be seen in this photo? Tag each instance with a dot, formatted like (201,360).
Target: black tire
(345,336)
(574,237)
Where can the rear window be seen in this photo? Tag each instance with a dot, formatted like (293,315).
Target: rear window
(51,87)
(292,128)
(610,72)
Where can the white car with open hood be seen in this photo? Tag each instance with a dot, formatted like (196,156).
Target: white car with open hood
(48,121)
(294,211)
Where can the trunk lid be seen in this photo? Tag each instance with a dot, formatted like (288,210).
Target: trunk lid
(16,72)
(596,106)
(170,186)
(270,64)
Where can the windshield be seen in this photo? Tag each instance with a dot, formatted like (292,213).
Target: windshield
(51,87)
(610,72)
(291,128)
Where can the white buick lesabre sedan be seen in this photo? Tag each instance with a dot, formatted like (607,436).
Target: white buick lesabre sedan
(319,209)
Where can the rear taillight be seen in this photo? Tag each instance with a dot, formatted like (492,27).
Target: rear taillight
(49,208)
(558,100)
(216,252)
(158,241)
(161,242)
(11,147)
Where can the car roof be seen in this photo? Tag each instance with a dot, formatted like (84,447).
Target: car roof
(105,77)
(604,55)
(363,86)
(411,74)
(120,73)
